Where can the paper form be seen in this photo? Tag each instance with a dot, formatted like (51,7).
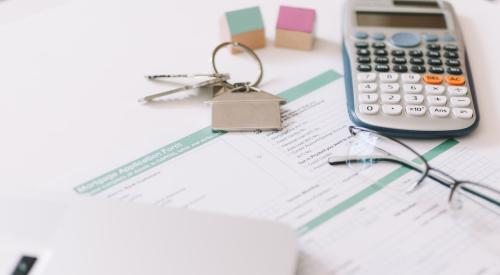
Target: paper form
(346,225)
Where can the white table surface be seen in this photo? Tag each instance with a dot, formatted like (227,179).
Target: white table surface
(71,72)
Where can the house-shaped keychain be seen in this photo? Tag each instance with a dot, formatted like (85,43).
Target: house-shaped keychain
(246,111)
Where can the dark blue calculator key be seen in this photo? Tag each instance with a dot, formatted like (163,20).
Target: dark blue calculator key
(450,47)
(380,52)
(364,68)
(452,62)
(433,54)
(416,61)
(398,53)
(364,59)
(455,71)
(451,55)
(436,70)
(399,60)
(418,69)
(378,45)
(363,52)
(382,68)
(400,68)
(361,45)
(434,62)
(416,53)
(433,47)
(381,60)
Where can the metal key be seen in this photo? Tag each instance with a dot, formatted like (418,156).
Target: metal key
(217,78)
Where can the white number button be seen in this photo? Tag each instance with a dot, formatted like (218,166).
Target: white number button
(388,98)
(465,113)
(392,109)
(410,78)
(366,77)
(414,99)
(439,111)
(412,88)
(389,87)
(388,77)
(460,101)
(369,109)
(368,98)
(367,87)
(434,89)
(457,90)
(437,100)
(415,110)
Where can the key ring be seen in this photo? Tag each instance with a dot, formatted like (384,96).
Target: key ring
(248,50)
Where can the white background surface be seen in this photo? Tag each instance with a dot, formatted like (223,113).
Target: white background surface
(71,72)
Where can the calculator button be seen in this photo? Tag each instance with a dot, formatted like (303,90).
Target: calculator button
(459,101)
(368,98)
(388,77)
(366,77)
(412,88)
(405,39)
(410,78)
(392,109)
(369,109)
(399,60)
(363,52)
(400,68)
(414,99)
(378,45)
(416,53)
(381,60)
(361,45)
(455,80)
(382,68)
(378,36)
(364,68)
(437,100)
(415,110)
(433,79)
(418,69)
(434,62)
(452,62)
(464,113)
(457,90)
(389,87)
(380,52)
(433,54)
(429,37)
(417,61)
(451,55)
(367,87)
(439,111)
(433,47)
(450,47)
(453,70)
(364,59)
(434,89)
(436,70)
(361,35)
(449,38)
(398,53)
(390,98)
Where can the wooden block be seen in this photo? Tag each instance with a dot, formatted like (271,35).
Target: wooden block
(295,28)
(244,26)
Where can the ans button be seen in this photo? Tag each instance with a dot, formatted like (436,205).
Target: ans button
(455,80)
(405,39)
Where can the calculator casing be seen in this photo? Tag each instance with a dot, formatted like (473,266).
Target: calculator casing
(404,125)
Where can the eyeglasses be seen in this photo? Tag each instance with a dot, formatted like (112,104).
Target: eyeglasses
(367,147)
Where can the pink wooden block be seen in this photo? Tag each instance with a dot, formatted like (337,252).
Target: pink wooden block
(296,19)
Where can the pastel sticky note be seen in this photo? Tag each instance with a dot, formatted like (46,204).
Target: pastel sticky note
(245,26)
(295,28)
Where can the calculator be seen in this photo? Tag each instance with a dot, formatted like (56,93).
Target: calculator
(406,69)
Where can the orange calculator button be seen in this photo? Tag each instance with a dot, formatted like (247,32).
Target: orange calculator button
(455,80)
(433,79)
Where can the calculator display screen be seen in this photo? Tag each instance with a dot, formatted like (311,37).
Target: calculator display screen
(401,20)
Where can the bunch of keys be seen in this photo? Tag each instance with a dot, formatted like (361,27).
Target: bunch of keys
(235,106)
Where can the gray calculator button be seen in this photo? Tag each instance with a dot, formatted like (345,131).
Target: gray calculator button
(439,111)
(460,101)
(368,98)
(429,37)
(361,35)
(390,98)
(437,100)
(464,113)
(392,109)
(378,36)
(415,110)
(367,87)
(457,90)
(414,99)
(366,77)
(369,109)
(449,38)
(405,39)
